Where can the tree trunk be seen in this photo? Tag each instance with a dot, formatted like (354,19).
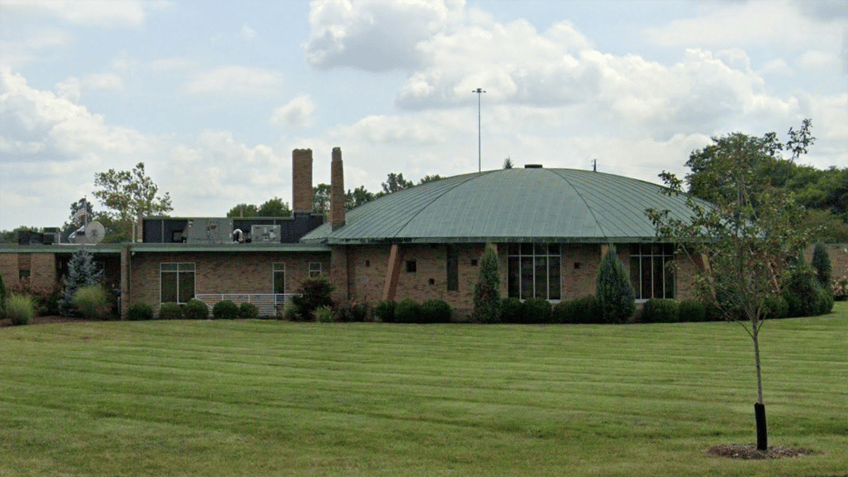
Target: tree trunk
(759,407)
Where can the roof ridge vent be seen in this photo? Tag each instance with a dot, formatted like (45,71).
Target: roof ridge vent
(532,166)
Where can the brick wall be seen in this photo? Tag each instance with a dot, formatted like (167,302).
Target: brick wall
(9,268)
(222,272)
(41,266)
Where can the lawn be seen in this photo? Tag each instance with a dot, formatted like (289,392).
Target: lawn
(258,398)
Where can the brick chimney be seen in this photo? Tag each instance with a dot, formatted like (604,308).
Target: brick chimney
(302,181)
(337,190)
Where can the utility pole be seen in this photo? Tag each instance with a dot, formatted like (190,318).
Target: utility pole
(479,91)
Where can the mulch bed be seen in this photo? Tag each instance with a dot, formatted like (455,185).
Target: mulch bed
(749,452)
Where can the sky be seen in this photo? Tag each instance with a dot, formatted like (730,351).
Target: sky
(213,96)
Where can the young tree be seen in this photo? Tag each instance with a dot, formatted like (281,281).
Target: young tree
(82,271)
(616,298)
(131,195)
(487,296)
(744,241)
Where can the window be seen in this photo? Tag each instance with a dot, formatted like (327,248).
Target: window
(23,274)
(452,261)
(177,282)
(315,269)
(649,273)
(279,285)
(411,266)
(279,278)
(533,270)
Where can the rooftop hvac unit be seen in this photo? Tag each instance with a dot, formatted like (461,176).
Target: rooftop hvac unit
(209,231)
(265,233)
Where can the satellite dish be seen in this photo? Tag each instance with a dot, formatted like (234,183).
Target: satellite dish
(94,232)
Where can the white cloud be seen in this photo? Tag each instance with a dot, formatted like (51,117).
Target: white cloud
(51,143)
(85,12)
(375,35)
(296,113)
(247,33)
(749,23)
(171,64)
(777,66)
(232,173)
(234,79)
(817,59)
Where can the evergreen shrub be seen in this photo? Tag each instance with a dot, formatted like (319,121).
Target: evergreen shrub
(825,301)
(615,294)
(511,310)
(248,311)
(195,310)
(170,311)
(20,308)
(385,311)
(561,312)
(290,314)
(92,302)
(140,311)
(658,310)
(775,307)
(692,311)
(225,310)
(487,296)
(435,311)
(536,310)
(407,311)
(313,293)
(82,271)
(352,312)
(821,264)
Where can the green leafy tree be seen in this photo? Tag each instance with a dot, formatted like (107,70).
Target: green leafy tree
(356,197)
(429,178)
(487,295)
(321,199)
(507,163)
(394,183)
(131,195)
(821,263)
(243,210)
(748,235)
(275,208)
(82,272)
(616,298)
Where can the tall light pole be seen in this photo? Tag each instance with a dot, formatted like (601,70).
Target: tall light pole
(479,143)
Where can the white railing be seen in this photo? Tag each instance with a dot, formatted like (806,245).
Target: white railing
(269,304)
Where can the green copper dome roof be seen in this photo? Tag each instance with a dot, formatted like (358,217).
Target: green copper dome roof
(509,205)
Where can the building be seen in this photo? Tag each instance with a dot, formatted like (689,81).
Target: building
(550,227)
